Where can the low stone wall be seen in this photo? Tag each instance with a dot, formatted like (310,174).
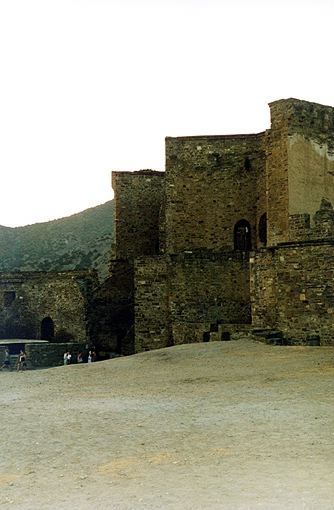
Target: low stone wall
(51,355)
(44,355)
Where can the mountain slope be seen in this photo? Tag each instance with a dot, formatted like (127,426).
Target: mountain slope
(80,241)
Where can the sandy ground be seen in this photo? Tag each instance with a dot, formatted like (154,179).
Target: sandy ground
(225,425)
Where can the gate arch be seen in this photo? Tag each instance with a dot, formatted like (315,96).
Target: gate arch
(47,329)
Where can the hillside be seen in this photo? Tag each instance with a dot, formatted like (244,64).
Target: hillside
(80,241)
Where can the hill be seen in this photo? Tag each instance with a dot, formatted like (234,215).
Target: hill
(80,241)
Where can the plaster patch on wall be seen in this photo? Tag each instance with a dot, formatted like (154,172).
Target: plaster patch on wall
(320,148)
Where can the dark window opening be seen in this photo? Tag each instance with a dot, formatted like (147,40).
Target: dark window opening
(242,236)
(248,164)
(206,336)
(8,297)
(263,229)
(47,329)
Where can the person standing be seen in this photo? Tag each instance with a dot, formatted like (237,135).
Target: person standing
(22,362)
(6,363)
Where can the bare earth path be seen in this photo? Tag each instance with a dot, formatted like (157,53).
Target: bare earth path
(216,426)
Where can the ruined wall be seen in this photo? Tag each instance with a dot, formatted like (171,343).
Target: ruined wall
(302,278)
(211,184)
(52,306)
(137,202)
(300,162)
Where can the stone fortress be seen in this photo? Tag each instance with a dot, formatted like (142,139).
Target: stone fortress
(237,235)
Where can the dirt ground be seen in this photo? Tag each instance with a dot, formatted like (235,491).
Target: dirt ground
(234,425)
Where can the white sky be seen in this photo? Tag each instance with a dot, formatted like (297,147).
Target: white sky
(91,86)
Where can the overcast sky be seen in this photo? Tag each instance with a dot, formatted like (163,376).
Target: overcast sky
(91,86)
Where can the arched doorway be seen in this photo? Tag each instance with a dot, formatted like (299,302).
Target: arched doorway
(242,236)
(47,329)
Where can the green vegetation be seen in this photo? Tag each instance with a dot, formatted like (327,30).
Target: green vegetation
(81,241)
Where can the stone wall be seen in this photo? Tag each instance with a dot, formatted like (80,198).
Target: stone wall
(137,203)
(263,276)
(194,332)
(52,355)
(152,322)
(206,289)
(300,163)
(212,183)
(43,354)
(112,317)
(179,298)
(46,305)
(298,284)
(277,177)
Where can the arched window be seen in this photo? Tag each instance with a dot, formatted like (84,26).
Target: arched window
(47,329)
(263,229)
(242,236)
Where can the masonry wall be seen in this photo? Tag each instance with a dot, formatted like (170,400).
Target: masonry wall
(263,290)
(43,354)
(210,287)
(152,320)
(180,298)
(26,299)
(302,280)
(137,203)
(300,163)
(112,318)
(51,354)
(277,177)
(211,183)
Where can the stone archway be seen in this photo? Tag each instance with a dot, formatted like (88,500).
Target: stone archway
(242,236)
(47,329)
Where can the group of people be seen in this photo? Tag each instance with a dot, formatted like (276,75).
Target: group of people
(68,357)
(21,361)
(91,356)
